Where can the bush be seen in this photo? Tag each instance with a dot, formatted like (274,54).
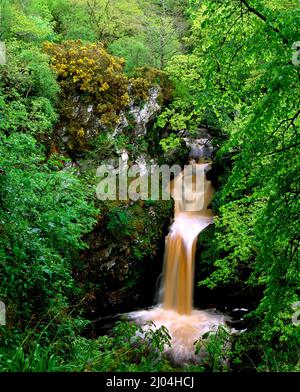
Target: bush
(44,212)
(90,71)
(28,92)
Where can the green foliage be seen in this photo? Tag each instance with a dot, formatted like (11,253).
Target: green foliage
(139,90)
(118,222)
(133,348)
(277,357)
(32,22)
(28,92)
(165,26)
(129,348)
(134,50)
(133,222)
(170,143)
(37,360)
(44,212)
(72,21)
(113,19)
(217,348)
(48,347)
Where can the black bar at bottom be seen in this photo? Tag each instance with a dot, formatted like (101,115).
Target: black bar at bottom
(145,381)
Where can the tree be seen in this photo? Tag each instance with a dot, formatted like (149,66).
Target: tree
(113,19)
(161,34)
(134,50)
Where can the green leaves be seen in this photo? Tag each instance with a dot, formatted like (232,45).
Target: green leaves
(44,214)
(217,346)
(28,92)
(170,143)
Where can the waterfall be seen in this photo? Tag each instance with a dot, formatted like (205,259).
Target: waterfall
(185,324)
(180,250)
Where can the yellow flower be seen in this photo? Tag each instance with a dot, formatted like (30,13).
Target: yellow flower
(80,132)
(104,87)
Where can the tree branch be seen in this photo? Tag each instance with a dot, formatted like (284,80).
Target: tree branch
(291,123)
(283,149)
(264,19)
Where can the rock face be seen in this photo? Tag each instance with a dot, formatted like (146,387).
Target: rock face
(81,125)
(200,146)
(146,113)
(81,113)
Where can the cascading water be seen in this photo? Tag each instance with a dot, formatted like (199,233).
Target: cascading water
(181,242)
(185,324)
